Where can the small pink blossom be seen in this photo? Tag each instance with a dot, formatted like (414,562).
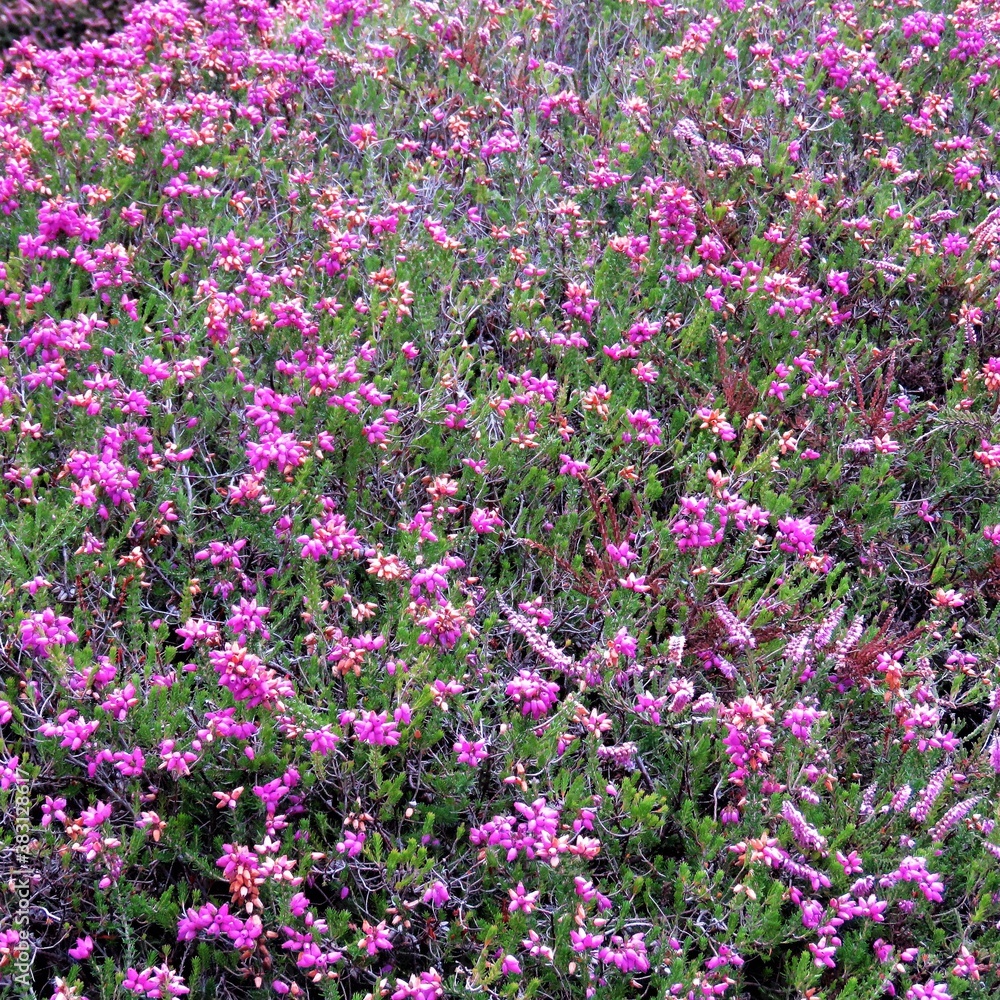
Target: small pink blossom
(82,949)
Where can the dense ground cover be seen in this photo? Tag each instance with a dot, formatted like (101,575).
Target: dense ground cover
(501,500)
(52,23)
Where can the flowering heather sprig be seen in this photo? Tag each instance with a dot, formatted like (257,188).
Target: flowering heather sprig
(851,863)
(737,633)
(823,952)
(988,455)
(826,628)
(929,990)
(541,644)
(748,743)
(796,535)
(375,937)
(571,467)
(866,809)
(800,650)
(521,899)
(535,695)
(83,948)
(10,774)
(248,679)
(799,869)
(801,718)
(621,755)
(714,421)
(628,955)
(808,836)
(375,728)
(159,982)
(928,795)
(442,626)
(914,869)
(42,630)
(673,216)
(74,731)
(176,762)
(957,812)
(900,799)
(197,631)
(429,984)
(470,752)
(537,835)
(693,529)
(332,537)
(248,616)
(849,642)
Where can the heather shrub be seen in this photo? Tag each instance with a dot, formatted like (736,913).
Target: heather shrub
(500,500)
(54,23)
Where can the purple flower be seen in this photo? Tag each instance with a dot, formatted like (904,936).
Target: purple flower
(837,280)
(471,753)
(159,983)
(851,863)
(375,938)
(510,966)
(437,894)
(82,949)
(995,754)
(375,728)
(928,991)
(522,900)
(956,245)
(796,535)
(823,954)
(533,693)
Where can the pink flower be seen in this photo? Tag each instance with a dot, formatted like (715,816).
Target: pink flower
(363,136)
(159,983)
(928,991)
(375,938)
(471,753)
(484,520)
(83,948)
(521,899)
(851,863)
(375,728)
(796,535)
(10,773)
(966,965)
(570,467)
(53,809)
(823,954)
(437,894)
(510,966)
(947,599)
(837,280)
(956,245)
(41,630)
(352,844)
(248,616)
(621,554)
(533,693)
